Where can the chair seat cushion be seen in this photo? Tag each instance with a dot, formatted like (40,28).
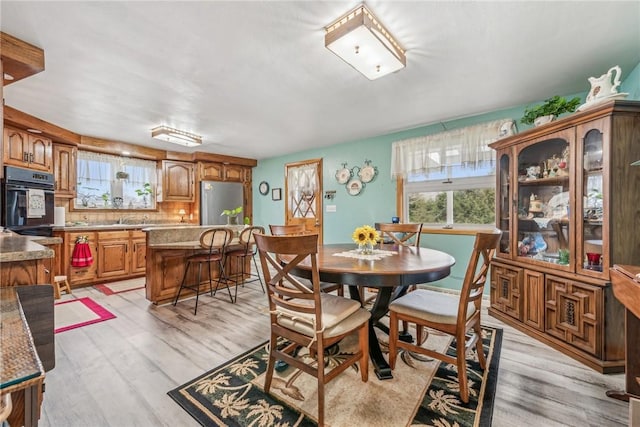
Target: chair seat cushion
(339,315)
(432,306)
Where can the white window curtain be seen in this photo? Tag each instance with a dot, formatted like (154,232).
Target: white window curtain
(464,147)
(99,186)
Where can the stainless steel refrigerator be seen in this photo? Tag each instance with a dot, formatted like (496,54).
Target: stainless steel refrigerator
(216,196)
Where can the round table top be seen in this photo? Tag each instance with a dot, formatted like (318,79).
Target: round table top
(409,266)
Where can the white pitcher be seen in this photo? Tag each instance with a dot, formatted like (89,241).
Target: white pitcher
(602,86)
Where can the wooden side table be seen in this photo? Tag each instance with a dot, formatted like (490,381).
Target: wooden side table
(625,280)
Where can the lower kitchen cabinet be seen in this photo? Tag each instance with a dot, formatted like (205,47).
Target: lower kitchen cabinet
(117,254)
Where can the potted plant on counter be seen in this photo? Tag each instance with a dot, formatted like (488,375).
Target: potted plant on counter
(549,110)
(145,192)
(232,215)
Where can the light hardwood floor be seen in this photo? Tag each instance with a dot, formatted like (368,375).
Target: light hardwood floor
(117,373)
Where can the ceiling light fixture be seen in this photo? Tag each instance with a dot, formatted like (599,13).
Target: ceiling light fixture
(176,136)
(361,40)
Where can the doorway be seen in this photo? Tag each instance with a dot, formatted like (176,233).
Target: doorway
(303,189)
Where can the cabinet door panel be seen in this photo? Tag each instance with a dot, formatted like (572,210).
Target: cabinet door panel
(178,181)
(113,259)
(506,295)
(534,299)
(64,169)
(41,153)
(138,256)
(574,313)
(16,147)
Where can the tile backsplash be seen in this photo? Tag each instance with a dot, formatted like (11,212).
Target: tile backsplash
(167,213)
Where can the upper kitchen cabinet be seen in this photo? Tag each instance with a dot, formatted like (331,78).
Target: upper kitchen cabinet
(64,170)
(25,150)
(221,172)
(178,183)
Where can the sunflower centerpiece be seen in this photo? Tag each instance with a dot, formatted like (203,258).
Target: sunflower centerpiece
(366,237)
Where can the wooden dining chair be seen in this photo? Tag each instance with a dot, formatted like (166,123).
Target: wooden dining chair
(304,316)
(215,241)
(458,316)
(402,234)
(245,250)
(296,230)
(287,230)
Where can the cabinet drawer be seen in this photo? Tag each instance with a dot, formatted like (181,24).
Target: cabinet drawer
(137,234)
(113,235)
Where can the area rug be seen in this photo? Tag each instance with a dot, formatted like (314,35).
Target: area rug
(421,392)
(79,312)
(121,286)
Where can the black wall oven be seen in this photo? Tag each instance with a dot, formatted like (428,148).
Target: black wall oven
(27,201)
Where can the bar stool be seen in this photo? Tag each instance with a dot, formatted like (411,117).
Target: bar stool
(248,249)
(60,283)
(215,241)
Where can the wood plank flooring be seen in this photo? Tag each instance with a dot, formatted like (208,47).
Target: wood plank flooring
(117,373)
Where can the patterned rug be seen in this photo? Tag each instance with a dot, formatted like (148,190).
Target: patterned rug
(421,392)
(121,286)
(75,313)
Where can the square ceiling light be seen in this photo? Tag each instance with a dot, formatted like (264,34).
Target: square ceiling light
(176,136)
(361,40)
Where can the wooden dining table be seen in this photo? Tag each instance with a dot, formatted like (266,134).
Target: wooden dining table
(392,274)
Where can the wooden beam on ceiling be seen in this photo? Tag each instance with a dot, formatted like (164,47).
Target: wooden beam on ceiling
(22,120)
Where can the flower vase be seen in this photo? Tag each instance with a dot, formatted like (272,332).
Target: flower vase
(365,248)
(232,220)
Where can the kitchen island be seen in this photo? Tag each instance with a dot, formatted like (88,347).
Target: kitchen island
(26,260)
(167,249)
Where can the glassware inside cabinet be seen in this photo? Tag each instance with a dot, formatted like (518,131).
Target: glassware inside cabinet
(504,207)
(543,202)
(593,210)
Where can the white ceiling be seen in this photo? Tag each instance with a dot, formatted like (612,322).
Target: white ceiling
(255,79)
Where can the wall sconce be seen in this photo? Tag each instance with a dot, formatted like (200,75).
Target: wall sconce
(360,39)
(330,194)
(182,213)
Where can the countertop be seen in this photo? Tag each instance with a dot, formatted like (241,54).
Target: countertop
(106,227)
(14,247)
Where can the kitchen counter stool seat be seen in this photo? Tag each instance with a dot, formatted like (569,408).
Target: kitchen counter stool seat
(215,241)
(60,283)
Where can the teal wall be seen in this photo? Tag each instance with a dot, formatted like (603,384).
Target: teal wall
(376,203)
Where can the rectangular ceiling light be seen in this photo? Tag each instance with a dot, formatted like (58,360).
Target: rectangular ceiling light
(176,136)
(361,40)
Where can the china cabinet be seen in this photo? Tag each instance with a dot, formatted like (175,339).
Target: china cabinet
(567,202)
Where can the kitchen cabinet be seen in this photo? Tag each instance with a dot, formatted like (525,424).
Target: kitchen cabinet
(64,170)
(26,150)
(138,251)
(178,184)
(567,202)
(117,254)
(213,171)
(113,253)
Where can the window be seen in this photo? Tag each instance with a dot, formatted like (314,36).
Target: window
(450,176)
(112,182)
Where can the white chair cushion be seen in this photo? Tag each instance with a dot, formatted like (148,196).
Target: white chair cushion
(436,307)
(339,315)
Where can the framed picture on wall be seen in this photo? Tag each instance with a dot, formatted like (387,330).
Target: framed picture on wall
(276,194)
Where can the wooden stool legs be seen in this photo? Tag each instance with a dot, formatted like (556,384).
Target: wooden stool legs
(60,283)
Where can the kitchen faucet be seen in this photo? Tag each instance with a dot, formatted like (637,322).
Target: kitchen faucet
(123,219)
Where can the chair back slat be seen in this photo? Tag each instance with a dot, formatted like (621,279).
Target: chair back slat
(402,234)
(475,277)
(247,239)
(287,230)
(216,239)
(286,291)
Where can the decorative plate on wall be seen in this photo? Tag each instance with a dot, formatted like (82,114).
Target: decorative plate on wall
(343,175)
(354,187)
(367,173)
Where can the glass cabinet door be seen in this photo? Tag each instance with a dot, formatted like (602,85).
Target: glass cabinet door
(543,226)
(592,259)
(503,213)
